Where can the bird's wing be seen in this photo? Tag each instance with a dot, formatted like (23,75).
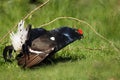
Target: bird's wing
(40,48)
(32,59)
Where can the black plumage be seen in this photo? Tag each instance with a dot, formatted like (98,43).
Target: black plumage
(42,43)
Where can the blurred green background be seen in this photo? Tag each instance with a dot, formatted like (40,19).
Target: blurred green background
(76,61)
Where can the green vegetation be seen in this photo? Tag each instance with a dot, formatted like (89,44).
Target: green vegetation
(76,61)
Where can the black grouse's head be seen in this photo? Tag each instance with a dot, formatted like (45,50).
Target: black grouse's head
(71,33)
(80,33)
(75,33)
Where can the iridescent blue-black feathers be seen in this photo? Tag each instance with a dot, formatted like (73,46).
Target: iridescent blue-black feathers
(40,43)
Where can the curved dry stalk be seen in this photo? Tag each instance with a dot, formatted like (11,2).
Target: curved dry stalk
(41,5)
(72,18)
(91,27)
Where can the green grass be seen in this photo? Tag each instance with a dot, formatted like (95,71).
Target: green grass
(74,62)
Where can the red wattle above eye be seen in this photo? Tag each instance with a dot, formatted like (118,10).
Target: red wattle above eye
(80,31)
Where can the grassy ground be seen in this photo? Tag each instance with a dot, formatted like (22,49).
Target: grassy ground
(76,61)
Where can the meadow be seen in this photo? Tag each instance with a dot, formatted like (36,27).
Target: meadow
(91,58)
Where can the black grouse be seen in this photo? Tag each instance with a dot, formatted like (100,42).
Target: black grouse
(40,43)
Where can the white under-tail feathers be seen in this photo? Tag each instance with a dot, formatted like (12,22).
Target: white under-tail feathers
(19,38)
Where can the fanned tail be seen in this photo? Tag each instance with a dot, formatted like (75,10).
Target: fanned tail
(19,38)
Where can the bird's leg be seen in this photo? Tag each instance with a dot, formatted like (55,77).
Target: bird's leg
(5,51)
(27,42)
(25,49)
